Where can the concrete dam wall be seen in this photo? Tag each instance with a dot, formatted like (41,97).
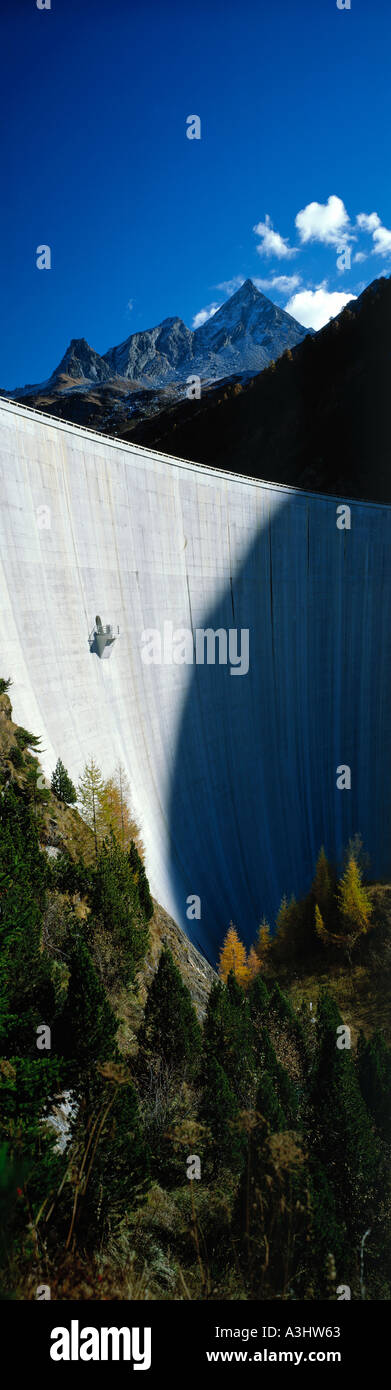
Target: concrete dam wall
(233,761)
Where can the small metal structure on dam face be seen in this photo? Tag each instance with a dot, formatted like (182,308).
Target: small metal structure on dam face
(102,639)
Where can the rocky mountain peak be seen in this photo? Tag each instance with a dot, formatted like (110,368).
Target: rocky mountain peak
(244,335)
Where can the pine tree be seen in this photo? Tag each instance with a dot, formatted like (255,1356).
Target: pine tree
(116,901)
(343,1139)
(272,1214)
(327,1232)
(287,925)
(141,880)
(90,792)
(26,990)
(28,1079)
(28,1087)
(12,1175)
(25,739)
(374,1071)
(229,1037)
(62,786)
(275,1008)
(118,1176)
(87,1028)
(267,1104)
(170,1031)
(259,999)
(220,1111)
(233,957)
(283,1009)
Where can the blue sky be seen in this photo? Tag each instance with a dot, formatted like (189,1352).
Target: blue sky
(142,222)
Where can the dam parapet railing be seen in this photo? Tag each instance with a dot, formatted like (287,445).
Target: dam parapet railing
(204,468)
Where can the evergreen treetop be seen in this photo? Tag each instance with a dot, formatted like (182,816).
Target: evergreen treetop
(170,1030)
(61,784)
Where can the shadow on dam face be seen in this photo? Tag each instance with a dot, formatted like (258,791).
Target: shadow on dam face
(254,788)
(233,777)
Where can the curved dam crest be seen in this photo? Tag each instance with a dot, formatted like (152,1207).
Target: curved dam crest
(233,776)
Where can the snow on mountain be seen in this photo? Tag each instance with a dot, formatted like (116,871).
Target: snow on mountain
(249,316)
(244,335)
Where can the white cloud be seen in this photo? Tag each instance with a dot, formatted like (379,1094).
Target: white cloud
(360,256)
(272,244)
(326,222)
(314,308)
(284,284)
(130,304)
(205,314)
(381,236)
(368,221)
(382,241)
(229,286)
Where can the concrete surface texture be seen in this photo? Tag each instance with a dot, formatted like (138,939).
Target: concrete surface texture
(233,776)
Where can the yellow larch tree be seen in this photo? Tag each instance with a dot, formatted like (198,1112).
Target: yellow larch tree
(263,942)
(320,926)
(254,965)
(233,956)
(116,811)
(354,903)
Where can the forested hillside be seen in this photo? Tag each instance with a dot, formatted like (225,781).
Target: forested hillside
(164,1136)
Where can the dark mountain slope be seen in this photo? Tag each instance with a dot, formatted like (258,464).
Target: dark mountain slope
(318,419)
